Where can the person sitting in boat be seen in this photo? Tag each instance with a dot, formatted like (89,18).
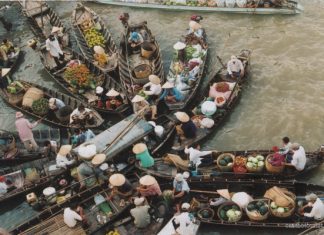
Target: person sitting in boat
(62,159)
(100,93)
(224,196)
(50,147)
(170,93)
(87,133)
(315,207)
(183,222)
(196,29)
(140,213)
(285,149)
(121,186)
(55,104)
(53,46)
(8,47)
(149,187)
(197,157)
(196,18)
(299,157)
(82,116)
(153,92)
(143,155)
(180,190)
(140,104)
(73,214)
(114,99)
(252,4)
(186,129)
(135,40)
(235,68)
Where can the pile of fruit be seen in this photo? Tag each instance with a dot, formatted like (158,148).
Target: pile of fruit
(258,208)
(226,161)
(230,213)
(255,163)
(15,87)
(79,76)
(40,106)
(278,209)
(102,59)
(94,37)
(239,164)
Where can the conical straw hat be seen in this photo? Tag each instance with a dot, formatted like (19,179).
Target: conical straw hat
(224,193)
(139,148)
(179,46)
(168,85)
(154,79)
(147,180)
(117,179)
(137,98)
(98,159)
(5,71)
(194,25)
(65,149)
(56,29)
(182,116)
(112,92)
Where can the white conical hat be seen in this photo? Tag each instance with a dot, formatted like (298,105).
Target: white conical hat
(154,79)
(99,50)
(179,46)
(117,179)
(182,116)
(65,149)
(168,85)
(147,180)
(98,159)
(56,29)
(112,92)
(139,148)
(137,98)
(5,71)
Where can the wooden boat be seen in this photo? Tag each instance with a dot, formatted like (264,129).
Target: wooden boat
(191,87)
(257,189)
(15,100)
(169,228)
(11,156)
(293,7)
(134,69)
(117,141)
(315,229)
(79,16)
(223,111)
(42,19)
(105,80)
(22,185)
(171,164)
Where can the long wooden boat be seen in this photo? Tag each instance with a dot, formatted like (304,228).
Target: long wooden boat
(105,80)
(42,18)
(222,112)
(131,62)
(82,14)
(315,229)
(15,100)
(293,7)
(256,189)
(22,185)
(120,138)
(168,166)
(22,155)
(191,86)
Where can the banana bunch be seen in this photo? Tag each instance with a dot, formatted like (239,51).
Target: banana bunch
(94,38)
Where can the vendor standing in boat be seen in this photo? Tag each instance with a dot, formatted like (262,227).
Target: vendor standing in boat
(149,187)
(315,207)
(153,92)
(24,128)
(114,99)
(143,155)
(135,40)
(82,116)
(170,93)
(195,156)
(121,186)
(299,157)
(58,33)
(235,68)
(183,221)
(140,213)
(53,46)
(180,190)
(62,159)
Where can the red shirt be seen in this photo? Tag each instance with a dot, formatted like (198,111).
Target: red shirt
(277,159)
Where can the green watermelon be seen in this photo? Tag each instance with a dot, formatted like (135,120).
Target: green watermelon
(251,207)
(235,207)
(263,210)
(228,159)
(259,204)
(222,162)
(222,214)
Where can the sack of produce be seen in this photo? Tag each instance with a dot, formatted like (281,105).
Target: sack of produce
(273,169)
(241,3)
(40,107)
(94,38)
(258,210)
(229,212)
(31,95)
(240,165)
(225,161)
(255,163)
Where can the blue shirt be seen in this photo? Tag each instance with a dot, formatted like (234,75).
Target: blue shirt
(189,129)
(59,103)
(181,186)
(173,92)
(89,135)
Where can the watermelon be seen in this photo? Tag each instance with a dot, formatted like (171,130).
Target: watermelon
(222,215)
(235,207)
(228,159)
(222,162)
(259,204)
(251,207)
(263,210)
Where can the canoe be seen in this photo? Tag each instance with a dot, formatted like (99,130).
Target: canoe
(42,18)
(293,8)
(22,154)
(189,88)
(71,195)
(82,13)
(222,112)
(168,167)
(117,141)
(131,62)
(105,80)
(23,186)
(257,189)
(169,228)
(15,100)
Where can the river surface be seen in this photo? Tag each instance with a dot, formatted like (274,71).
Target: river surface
(284,96)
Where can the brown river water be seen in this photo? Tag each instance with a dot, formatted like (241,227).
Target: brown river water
(282,98)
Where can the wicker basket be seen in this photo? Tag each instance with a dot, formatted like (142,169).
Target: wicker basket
(142,71)
(257,216)
(16,99)
(31,95)
(292,207)
(254,170)
(228,204)
(147,50)
(225,168)
(273,169)
(209,210)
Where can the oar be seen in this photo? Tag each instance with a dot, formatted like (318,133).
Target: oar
(221,62)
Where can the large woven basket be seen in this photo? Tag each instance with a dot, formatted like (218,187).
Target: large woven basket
(292,207)
(147,50)
(142,71)
(31,95)
(254,170)
(273,169)
(209,210)
(225,168)
(258,216)
(229,203)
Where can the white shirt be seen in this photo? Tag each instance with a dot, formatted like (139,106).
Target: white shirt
(317,211)
(185,224)
(54,47)
(285,149)
(299,159)
(79,115)
(242,199)
(71,217)
(194,155)
(62,161)
(154,89)
(3,188)
(234,66)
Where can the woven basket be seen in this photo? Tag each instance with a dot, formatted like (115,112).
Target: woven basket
(254,170)
(15,99)
(147,50)
(31,95)
(210,211)
(292,207)
(228,204)
(225,168)
(273,169)
(258,216)
(142,71)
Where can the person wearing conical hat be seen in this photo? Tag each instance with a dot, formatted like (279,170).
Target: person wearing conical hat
(63,157)
(140,104)
(184,220)
(143,155)
(114,99)
(149,187)
(101,96)
(170,93)
(8,47)
(235,68)
(153,90)
(180,190)
(58,33)
(141,213)
(121,186)
(187,128)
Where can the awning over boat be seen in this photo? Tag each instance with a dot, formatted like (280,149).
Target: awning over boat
(141,129)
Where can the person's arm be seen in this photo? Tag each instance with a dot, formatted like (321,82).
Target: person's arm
(241,67)
(179,194)
(186,150)
(77,216)
(147,84)
(203,153)
(47,45)
(310,214)
(31,125)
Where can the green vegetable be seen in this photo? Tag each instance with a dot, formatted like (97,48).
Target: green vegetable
(259,203)
(263,210)
(228,159)
(222,215)
(230,164)
(254,160)
(260,158)
(40,107)
(222,162)
(251,207)
(250,159)
(261,163)
(230,213)
(281,210)
(249,165)
(235,207)
(273,205)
